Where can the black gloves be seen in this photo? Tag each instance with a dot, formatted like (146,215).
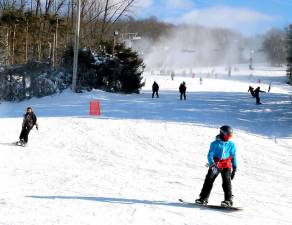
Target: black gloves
(233,172)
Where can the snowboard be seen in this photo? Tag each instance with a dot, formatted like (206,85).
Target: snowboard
(216,207)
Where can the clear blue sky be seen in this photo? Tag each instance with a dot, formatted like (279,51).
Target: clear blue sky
(247,16)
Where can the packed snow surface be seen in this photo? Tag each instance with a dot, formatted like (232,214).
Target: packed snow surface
(131,164)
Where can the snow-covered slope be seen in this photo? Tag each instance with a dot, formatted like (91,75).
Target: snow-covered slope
(131,165)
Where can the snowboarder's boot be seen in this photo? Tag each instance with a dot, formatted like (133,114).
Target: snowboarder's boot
(20,142)
(24,144)
(201,201)
(227,203)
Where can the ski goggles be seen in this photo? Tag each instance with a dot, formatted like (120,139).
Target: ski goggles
(227,136)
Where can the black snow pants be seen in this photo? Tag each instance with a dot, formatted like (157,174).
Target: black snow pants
(226,184)
(183,95)
(258,101)
(24,134)
(155,92)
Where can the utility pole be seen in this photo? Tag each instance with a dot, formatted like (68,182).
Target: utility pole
(251,60)
(13,43)
(53,51)
(56,41)
(116,33)
(76,47)
(26,41)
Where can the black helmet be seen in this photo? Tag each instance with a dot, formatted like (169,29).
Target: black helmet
(226,132)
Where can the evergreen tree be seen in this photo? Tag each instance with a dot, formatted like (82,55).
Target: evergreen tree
(289,53)
(86,74)
(118,72)
(132,67)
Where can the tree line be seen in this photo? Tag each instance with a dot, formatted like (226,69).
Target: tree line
(41,30)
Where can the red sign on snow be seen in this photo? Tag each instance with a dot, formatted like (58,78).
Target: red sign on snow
(94,108)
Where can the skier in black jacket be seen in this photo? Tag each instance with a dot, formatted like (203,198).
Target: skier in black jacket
(182,90)
(257,95)
(29,120)
(251,90)
(155,88)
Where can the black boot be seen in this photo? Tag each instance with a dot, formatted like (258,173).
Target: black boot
(201,201)
(227,203)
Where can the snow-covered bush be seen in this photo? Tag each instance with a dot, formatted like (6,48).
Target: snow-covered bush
(12,90)
(42,86)
(33,79)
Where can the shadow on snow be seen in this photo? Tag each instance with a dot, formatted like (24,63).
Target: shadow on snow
(125,201)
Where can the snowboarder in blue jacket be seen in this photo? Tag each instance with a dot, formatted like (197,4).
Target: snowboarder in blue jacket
(221,160)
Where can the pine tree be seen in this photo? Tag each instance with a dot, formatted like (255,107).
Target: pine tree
(289,53)
(131,69)
(87,77)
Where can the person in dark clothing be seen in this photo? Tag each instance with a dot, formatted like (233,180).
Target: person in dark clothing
(182,90)
(155,88)
(172,75)
(270,86)
(221,160)
(29,120)
(257,95)
(251,90)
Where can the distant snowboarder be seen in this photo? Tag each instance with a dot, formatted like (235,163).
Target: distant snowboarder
(251,90)
(155,88)
(257,95)
(29,120)
(221,160)
(182,90)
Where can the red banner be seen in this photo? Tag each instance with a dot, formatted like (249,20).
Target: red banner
(94,108)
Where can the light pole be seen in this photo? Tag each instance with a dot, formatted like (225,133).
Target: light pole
(251,60)
(116,33)
(76,47)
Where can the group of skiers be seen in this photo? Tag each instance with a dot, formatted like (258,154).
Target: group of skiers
(182,90)
(255,93)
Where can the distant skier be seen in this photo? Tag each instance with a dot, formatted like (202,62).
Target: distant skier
(270,86)
(221,160)
(182,90)
(155,88)
(172,75)
(201,80)
(251,90)
(29,120)
(257,95)
(229,71)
